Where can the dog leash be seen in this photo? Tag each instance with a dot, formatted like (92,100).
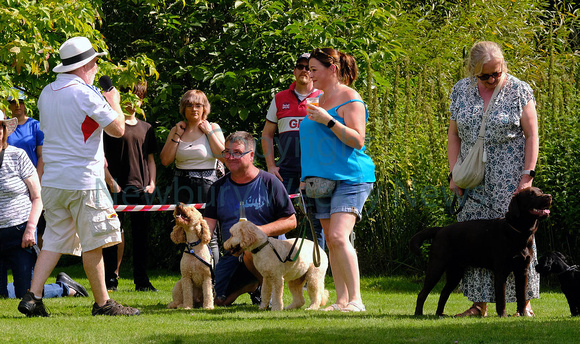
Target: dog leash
(454,209)
(289,256)
(316,249)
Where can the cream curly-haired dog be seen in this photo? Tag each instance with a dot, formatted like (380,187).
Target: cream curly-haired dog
(195,286)
(245,236)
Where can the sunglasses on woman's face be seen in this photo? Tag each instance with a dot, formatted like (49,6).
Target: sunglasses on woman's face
(484,77)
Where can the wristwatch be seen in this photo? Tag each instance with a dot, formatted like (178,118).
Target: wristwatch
(532,173)
(330,123)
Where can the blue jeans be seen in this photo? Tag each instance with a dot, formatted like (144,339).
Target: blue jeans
(57,289)
(346,198)
(14,257)
(231,275)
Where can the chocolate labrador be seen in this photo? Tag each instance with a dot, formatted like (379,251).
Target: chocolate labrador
(502,245)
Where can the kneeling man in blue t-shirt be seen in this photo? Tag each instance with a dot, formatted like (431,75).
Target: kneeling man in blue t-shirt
(265,203)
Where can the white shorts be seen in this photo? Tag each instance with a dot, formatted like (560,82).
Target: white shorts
(79,220)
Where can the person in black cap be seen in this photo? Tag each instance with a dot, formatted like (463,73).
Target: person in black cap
(286,111)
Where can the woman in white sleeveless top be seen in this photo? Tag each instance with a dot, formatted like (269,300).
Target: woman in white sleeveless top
(195,145)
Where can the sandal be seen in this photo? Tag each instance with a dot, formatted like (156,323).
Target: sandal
(333,307)
(527,313)
(354,307)
(474,311)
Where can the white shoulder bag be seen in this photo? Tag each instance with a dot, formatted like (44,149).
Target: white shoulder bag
(469,173)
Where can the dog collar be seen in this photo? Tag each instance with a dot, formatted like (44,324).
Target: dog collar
(191,245)
(259,248)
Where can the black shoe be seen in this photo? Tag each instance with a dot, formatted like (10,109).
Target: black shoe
(112,284)
(145,287)
(256,296)
(113,308)
(32,307)
(72,284)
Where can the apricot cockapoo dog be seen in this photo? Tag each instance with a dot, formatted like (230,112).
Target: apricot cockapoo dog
(195,286)
(245,236)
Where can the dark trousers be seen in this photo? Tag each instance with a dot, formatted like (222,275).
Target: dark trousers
(19,260)
(140,243)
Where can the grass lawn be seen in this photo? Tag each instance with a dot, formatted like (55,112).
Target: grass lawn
(390,303)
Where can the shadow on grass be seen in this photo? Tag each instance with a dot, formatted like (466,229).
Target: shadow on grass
(387,329)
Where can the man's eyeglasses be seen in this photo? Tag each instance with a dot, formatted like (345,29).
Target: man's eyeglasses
(235,155)
(301,66)
(484,77)
(21,101)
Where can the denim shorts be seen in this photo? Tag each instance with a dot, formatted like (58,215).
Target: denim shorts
(346,198)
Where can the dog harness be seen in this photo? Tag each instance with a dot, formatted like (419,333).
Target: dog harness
(189,250)
(288,257)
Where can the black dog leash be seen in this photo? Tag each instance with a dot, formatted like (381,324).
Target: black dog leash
(455,209)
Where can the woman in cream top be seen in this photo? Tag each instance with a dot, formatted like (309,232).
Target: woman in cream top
(195,145)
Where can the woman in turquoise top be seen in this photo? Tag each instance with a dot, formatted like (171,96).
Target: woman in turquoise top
(332,146)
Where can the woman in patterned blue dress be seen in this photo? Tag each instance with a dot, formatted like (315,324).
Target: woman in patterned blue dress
(511,145)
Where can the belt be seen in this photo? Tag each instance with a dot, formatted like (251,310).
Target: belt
(207,174)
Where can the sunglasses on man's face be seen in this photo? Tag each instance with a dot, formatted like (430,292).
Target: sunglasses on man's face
(301,66)
(484,77)
(12,102)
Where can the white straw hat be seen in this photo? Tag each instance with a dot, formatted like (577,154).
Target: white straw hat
(75,53)
(10,124)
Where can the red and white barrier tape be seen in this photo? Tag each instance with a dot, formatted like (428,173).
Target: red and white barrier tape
(162,207)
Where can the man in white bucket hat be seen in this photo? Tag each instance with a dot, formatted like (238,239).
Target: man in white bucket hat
(79,212)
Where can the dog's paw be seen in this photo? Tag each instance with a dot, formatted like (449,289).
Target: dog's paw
(293,306)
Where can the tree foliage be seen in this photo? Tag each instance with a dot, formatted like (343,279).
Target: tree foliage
(410,53)
(33,31)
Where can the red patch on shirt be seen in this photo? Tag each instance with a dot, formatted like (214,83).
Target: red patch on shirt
(88,127)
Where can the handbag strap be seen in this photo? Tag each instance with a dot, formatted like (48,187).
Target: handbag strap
(489,106)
